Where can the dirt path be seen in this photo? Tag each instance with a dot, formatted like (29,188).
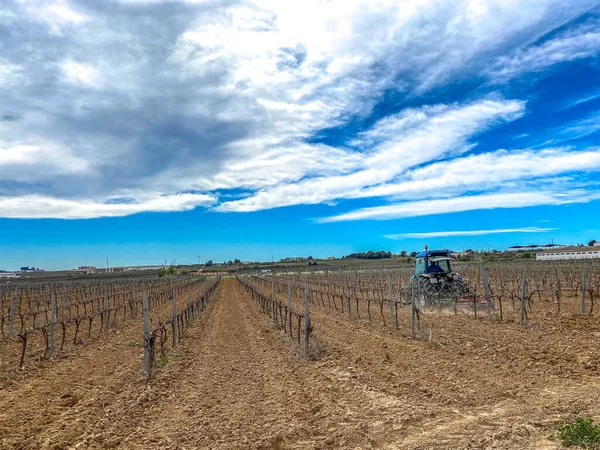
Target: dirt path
(237,383)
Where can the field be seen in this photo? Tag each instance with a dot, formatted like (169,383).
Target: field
(241,377)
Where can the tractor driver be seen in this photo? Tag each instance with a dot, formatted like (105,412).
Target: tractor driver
(434,267)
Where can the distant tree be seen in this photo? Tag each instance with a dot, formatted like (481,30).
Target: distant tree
(381,254)
(237,261)
(209,263)
(526,255)
(413,254)
(310,258)
(403,253)
(172,270)
(592,242)
(230,262)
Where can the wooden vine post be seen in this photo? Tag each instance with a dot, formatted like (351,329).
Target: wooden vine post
(289,302)
(105,313)
(133,303)
(306,318)
(52,321)
(146,311)
(63,304)
(11,319)
(523,295)
(174,318)
(486,286)
(413,306)
(389,286)
(583,287)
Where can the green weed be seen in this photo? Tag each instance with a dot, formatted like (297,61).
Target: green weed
(578,430)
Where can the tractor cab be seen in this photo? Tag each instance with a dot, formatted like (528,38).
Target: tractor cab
(432,262)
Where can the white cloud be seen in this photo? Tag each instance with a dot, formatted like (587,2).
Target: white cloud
(392,146)
(80,74)
(466,203)
(10,74)
(158,97)
(24,162)
(467,233)
(486,171)
(582,99)
(580,43)
(39,206)
(62,12)
(582,127)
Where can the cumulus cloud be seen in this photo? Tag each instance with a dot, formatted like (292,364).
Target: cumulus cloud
(150,98)
(433,234)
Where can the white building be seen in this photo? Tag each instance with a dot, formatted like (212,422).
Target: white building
(10,275)
(569,253)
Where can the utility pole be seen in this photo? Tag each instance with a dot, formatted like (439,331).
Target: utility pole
(198,258)
(107,266)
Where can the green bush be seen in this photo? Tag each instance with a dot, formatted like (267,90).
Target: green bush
(578,430)
(172,270)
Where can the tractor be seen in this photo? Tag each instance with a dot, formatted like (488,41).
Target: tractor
(434,279)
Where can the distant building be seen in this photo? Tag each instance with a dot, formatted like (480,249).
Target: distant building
(331,258)
(567,253)
(4,275)
(534,248)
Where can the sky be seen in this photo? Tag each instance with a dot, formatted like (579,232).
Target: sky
(147,130)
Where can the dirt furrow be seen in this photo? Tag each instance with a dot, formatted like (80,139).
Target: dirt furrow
(238,383)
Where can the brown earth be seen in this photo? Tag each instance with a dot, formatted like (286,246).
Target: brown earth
(236,382)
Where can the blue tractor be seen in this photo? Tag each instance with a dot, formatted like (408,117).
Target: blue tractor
(434,278)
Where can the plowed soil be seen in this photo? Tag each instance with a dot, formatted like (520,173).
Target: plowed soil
(236,382)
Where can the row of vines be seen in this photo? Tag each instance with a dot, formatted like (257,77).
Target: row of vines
(534,290)
(47,317)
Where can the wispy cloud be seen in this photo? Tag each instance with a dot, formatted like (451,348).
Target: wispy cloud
(467,233)
(465,203)
(579,43)
(582,127)
(391,146)
(39,206)
(582,100)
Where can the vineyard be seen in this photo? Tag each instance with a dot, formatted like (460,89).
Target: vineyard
(498,292)
(47,319)
(344,359)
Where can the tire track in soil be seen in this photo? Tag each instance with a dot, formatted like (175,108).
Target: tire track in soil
(239,383)
(60,401)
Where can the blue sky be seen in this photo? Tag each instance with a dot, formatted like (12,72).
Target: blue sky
(151,130)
